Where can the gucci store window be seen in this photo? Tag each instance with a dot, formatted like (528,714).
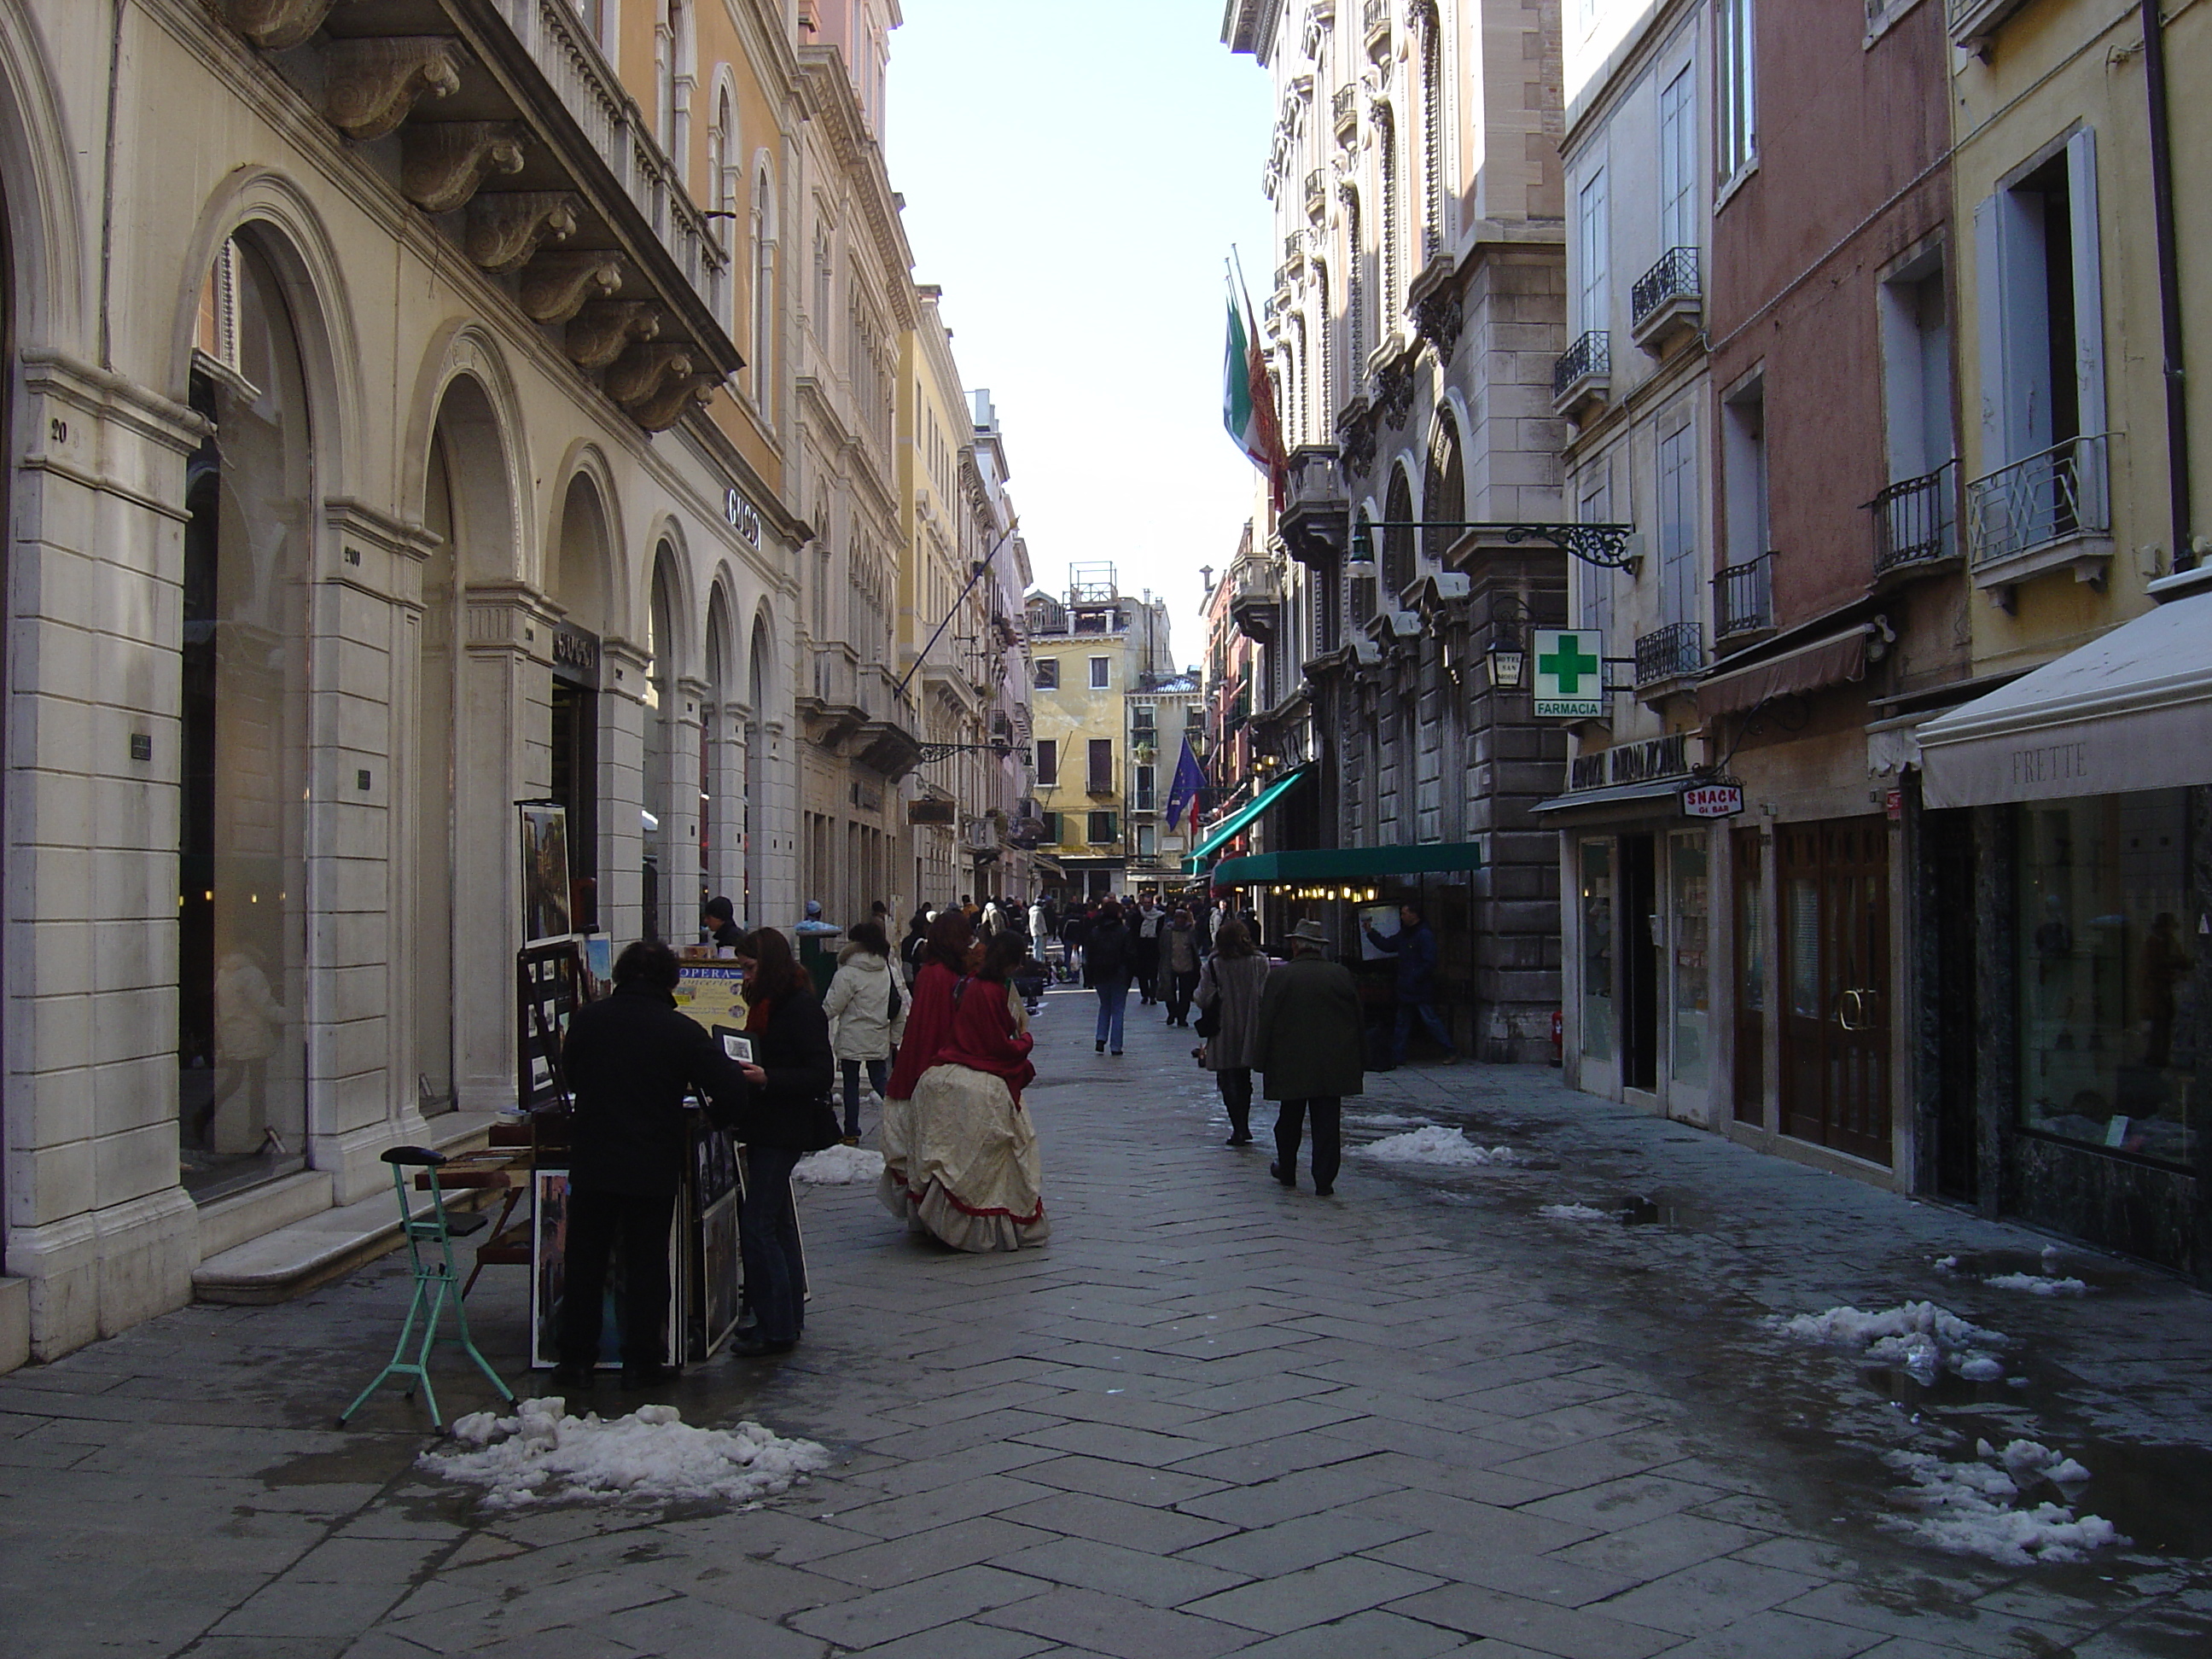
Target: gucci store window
(2109,933)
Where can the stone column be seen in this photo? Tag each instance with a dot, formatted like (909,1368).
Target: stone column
(726,780)
(622,712)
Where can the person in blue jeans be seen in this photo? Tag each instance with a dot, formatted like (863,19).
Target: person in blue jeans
(1108,959)
(1414,944)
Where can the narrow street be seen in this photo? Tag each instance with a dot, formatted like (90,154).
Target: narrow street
(1211,1416)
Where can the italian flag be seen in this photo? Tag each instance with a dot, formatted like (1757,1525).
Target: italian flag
(1247,401)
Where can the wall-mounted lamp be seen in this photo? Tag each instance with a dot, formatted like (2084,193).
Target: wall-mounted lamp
(1508,656)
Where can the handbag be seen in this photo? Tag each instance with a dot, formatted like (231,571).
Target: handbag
(1208,1025)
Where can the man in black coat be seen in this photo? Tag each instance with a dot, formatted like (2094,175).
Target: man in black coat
(630,1060)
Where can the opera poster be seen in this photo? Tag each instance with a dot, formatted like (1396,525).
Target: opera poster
(545,874)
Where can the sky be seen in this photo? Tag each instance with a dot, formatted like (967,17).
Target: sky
(1074,176)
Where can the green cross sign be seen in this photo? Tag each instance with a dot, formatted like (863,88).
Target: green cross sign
(1570,681)
(1568,665)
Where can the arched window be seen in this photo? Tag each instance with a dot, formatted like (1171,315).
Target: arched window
(1398,539)
(1443,490)
(671,47)
(763,263)
(721,176)
(242,901)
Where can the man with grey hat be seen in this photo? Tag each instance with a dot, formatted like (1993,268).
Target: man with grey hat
(1308,1049)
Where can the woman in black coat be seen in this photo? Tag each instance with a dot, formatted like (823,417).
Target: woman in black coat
(791,1073)
(1108,959)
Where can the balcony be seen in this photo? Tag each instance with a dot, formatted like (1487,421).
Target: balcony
(2050,512)
(1317,194)
(1316,517)
(1255,598)
(1294,252)
(1668,301)
(1667,655)
(1375,24)
(1582,372)
(1743,602)
(1344,107)
(1915,525)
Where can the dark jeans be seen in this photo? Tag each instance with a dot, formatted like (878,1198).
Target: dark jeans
(768,1238)
(1148,968)
(596,1220)
(1235,1083)
(1409,1011)
(878,1070)
(1327,1130)
(1180,986)
(1113,1003)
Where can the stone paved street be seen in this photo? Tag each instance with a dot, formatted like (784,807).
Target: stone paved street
(1211,1417)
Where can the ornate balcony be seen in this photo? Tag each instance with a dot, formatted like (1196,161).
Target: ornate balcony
(1316,517)
(1344,107)
(1914,523)
(1255,598)
(2049,511)
(1668,654)
(1582,372)
(1668,300)
(1375,24)
(1317,194)
(1743,601)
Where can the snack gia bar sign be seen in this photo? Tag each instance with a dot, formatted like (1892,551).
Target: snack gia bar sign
(745,517)
(1712,800)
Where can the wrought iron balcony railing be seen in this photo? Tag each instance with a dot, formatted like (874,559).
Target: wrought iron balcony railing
(1743,598)
(1675,277)
(1914,520)
(2045,498)
(1316,191)
(1375,16)
(1588,357)
(1346,104)
(1672,652)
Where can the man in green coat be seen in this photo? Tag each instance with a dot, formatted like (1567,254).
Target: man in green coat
(1309,1052)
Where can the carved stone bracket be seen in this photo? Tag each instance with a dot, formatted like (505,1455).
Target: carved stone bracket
(555,285)
(445,162)
(1355,438)
(1394,392)
(274,24)
(370,87)
(605,329)
(506,227)
(642,371)
(674,401)
(1439,318)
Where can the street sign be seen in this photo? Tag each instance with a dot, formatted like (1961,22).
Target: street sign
(1712,800)
(1570,682)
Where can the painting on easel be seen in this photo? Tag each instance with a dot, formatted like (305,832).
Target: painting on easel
(545,914)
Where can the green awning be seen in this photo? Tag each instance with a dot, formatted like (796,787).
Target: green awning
(1244,815)
(1347,864)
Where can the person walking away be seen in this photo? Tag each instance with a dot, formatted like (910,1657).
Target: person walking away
(790,1074)
(951,953)
(1039,929)
(1150,917)
(630,1059)
(1229,987)
(721,924)
(867,1013)
(1307,1049)
(915,942)
(1415,947)
(1107,961)
(1179,953)
(1073,932)
(974,1174)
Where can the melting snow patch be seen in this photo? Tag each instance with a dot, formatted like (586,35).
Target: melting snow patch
(2038,1284)
(1438,1143)
(1574,1212)
(1968,1508)
(839,1166)
(1920,1336)
(541,1454)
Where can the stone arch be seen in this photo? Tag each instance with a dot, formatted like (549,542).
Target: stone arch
(39,177)
(670,563)
(1443,485)
(583,560)
(465,397)
(1400,509)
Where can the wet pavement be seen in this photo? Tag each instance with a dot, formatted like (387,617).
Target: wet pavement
(1212,1416)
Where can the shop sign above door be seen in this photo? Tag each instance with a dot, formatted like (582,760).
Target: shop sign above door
(1712,800)
(1570,681)
(745,517)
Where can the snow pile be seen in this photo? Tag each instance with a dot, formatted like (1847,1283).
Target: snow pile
(1439,1144)
(839,1166)
(1923,1338)
(541,1454)
(1967,1508)
(2038,1284)
(1573,1212)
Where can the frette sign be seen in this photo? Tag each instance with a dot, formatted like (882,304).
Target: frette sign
(1569,673)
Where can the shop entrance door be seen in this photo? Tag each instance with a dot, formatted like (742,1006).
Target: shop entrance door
(1835,1016)
(1947,902)
(1641,931)
(1750,937)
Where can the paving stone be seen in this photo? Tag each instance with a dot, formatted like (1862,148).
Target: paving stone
(1937,1619)
(1158,1581)
(1708,1596)
(1570,1632)
(1129,1484)
(872,1620)
(1540,1577)
(1364,1636)
(1112,1624)
(961,1640)
(1314,1595)
(1782,1636)
(1288,1546)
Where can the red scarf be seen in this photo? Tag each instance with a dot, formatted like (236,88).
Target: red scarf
(984,1037)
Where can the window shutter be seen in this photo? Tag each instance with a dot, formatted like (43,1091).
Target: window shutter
(2089,282)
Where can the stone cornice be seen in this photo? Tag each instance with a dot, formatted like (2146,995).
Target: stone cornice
(831,105)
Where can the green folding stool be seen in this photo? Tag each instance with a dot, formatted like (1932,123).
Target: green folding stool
(435,1286)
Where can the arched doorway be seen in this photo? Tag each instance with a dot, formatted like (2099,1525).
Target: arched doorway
(577,583)
(241,1049)
(720,780)
(756,801)
(663,733)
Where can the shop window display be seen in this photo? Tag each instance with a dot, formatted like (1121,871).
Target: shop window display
(1597,949)
(2108,1030)
(1693,911)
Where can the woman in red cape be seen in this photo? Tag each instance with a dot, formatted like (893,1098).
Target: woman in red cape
(973,1175)
(945,962)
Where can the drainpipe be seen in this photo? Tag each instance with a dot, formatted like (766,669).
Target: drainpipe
(2169,285)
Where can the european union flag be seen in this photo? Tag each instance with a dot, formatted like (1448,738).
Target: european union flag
(1185,792)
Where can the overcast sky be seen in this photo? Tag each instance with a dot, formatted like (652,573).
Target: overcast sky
(1073,177)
